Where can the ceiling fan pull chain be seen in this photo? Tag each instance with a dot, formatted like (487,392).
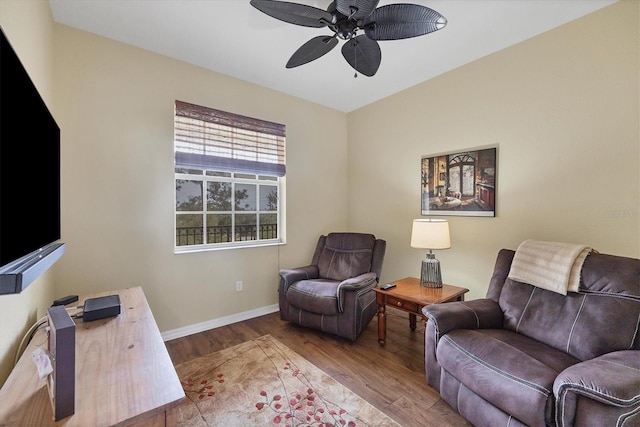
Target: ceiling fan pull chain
(355,58)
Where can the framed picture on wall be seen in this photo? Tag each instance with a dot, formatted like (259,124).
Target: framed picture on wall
(461,183)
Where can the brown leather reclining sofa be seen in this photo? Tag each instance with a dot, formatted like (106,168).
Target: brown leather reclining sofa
(528,356)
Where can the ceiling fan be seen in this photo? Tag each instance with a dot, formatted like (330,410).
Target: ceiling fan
(346,18)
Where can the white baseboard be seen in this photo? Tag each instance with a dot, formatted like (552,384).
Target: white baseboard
(216,323)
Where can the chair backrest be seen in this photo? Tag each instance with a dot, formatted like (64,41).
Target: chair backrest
(340,256)
(603,316)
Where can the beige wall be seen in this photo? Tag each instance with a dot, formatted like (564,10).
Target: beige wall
(562,108)
(116,115)
(29,28)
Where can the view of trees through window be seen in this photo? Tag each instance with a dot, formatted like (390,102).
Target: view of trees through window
(225,207)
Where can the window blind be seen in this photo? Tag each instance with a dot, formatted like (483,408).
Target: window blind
(216,140)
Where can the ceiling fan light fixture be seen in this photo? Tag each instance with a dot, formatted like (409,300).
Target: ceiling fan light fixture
(345,18)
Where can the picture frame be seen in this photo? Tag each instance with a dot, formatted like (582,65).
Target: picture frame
(461,183)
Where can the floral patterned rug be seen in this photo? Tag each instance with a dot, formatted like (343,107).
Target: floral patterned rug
(264,383)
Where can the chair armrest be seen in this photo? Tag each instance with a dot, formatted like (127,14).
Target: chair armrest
(290,276)
(475,314)
(612,379)
(361,283)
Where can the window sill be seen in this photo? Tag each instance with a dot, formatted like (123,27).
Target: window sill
(204,248)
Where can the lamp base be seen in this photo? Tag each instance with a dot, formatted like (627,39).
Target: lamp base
(430,276)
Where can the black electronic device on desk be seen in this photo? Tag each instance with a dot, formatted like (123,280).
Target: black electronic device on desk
(65,300)
(101,307)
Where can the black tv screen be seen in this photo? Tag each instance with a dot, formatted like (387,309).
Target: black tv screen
(29,163)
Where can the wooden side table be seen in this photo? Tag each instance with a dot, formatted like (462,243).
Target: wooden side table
(409,296)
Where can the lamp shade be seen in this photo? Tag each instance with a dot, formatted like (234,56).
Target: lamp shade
(430,234)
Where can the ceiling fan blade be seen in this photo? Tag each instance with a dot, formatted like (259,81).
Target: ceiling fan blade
(356,9)
(294,13)
(312,50)
(402,21)
(363,54)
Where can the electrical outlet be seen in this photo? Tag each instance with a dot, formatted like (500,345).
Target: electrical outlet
(239,285)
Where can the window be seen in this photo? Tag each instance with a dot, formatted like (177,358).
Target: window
(462,174)
(228,171)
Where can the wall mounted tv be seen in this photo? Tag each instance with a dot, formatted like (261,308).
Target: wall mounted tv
(29,177)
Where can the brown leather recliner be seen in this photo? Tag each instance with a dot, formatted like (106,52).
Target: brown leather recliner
(335,293)
(527,356)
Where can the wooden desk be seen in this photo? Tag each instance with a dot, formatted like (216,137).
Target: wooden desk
(409,296)
(124,375)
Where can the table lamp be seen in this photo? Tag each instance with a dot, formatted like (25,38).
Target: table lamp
(430,234)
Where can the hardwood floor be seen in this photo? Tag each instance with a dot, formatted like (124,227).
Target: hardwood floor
(390,377)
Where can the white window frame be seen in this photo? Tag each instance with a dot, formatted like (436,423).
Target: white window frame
(271,174)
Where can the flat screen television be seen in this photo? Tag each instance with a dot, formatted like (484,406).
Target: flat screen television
(29,177)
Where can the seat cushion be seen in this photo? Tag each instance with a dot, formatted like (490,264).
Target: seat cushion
(316,296)
(513,372)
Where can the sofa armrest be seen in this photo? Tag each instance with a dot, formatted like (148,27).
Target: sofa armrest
(361,283)
(288,277)
(607,387)
(475,314)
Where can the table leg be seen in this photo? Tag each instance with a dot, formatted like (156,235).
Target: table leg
(382,324)
(412,321)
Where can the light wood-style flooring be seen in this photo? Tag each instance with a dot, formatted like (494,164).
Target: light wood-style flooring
(390,377)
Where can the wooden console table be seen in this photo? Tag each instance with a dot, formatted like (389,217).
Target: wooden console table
(124,375)
(409,296)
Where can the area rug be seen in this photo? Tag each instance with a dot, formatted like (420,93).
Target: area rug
(262,382)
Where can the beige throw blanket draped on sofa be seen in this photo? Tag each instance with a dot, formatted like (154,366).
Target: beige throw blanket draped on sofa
(549,265)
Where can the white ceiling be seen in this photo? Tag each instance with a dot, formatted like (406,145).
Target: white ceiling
(234,38)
